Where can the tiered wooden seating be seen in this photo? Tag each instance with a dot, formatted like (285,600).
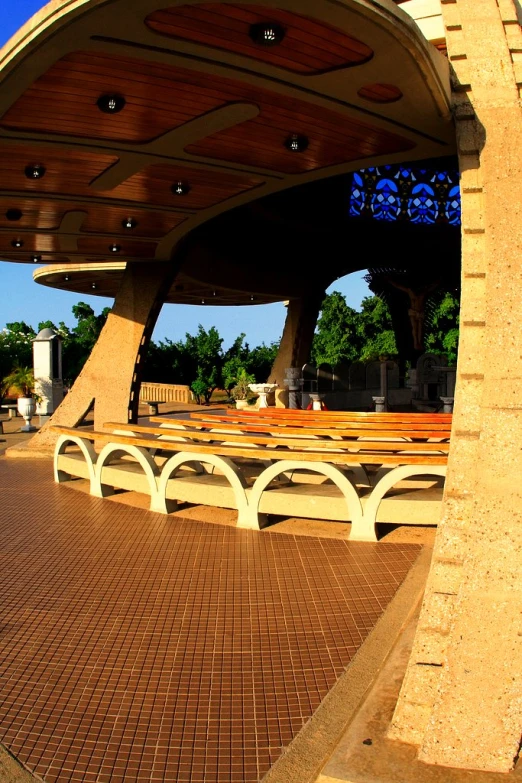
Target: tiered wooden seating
(170,458)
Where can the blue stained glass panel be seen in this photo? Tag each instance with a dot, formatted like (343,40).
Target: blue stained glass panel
(397,192)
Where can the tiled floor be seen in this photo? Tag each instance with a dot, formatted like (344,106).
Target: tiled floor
(137,647)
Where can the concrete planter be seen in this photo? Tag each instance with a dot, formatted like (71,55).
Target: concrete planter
(27,408)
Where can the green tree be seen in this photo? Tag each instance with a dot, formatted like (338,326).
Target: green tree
(16,347)
(234,362)
(375,328)
(79,342)
(260,360)
(206,347)
(337,338)
(442,332)
(170,362)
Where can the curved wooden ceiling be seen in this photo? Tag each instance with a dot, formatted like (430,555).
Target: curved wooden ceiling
(204,105)
(308,46)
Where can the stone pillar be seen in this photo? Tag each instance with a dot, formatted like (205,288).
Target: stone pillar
(296,342)
(47,364)
(292,382)
(111,376)
(380,404)
(461,698)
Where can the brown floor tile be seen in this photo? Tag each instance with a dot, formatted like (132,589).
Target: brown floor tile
(139,647)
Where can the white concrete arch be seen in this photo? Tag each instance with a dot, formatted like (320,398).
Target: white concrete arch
(388,481)
(287,466)
(231,472)
(142,457)
(87,450)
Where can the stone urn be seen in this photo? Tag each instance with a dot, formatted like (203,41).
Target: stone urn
(263,389)
(241,404)
(27,408)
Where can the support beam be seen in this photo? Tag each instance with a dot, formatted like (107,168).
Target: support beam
(296,342)
(111,377)
(460,701)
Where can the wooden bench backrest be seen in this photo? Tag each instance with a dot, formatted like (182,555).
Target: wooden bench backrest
(343,415)
(355,431)
(318,424)
(249,453)
(294,443)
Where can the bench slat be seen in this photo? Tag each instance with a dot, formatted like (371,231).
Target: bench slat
(360,431)
(222,450)
(267,422)
(275,440)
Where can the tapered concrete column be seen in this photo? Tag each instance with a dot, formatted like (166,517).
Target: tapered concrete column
(112,375)
(296,342)
(461,699)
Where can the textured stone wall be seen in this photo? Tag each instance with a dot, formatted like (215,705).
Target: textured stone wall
(111,376)
(461,701)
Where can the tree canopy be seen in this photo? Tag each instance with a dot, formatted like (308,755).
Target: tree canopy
(347,335)
(343,335)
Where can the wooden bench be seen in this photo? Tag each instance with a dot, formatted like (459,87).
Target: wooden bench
(266,423)
(258,474)
(332,415)
(12,410)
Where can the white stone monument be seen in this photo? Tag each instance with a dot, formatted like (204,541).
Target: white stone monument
(47,363)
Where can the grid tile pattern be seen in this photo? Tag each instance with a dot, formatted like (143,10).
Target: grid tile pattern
(138,647)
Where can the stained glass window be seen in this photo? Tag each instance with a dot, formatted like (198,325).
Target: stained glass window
(396,193)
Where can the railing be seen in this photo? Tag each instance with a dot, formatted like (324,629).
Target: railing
(165,392)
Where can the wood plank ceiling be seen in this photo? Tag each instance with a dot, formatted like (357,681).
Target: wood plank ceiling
(207,118)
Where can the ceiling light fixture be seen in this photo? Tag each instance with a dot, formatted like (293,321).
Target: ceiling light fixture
(66,278)
(13,214)
(34,171)
(114,248)
(202,301)
(17,243)
(296,143)
(251,297)
(180,188)
(93,285)
(111,104)
(36,259)
(129,223)
(267,33)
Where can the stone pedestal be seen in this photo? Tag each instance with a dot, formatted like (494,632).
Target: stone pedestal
(293,382)
(448,404)
(263,389)
(380,404)
(317,401)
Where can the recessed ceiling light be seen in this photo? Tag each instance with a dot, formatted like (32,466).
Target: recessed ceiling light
(267,33)
(129,223)
(111,104)
(66,278)
(17,243)
(93,285)
(36,259)
(180,188)
(34,171)
(114,248)
(296,143)
(13,214)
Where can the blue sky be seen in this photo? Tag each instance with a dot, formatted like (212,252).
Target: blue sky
(23,300)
